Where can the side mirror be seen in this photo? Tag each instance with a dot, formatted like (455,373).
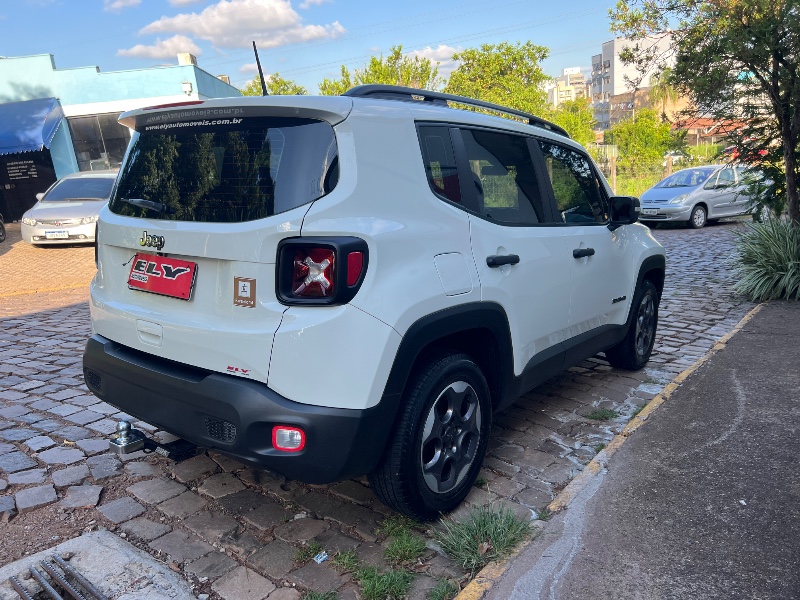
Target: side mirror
(40,195)
(624,211)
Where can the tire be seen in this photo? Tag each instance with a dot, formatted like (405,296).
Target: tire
(698,217)
(2,232)
(633,352)
(440,440)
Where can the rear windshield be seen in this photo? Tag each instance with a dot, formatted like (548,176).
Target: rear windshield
(242,170)
(83,188)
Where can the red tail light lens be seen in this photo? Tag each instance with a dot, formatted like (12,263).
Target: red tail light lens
(288,439)
(314,273)
(355,264)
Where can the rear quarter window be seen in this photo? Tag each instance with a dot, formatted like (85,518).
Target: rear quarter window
(233,171)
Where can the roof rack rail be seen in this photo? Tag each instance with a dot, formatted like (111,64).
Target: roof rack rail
(407,94)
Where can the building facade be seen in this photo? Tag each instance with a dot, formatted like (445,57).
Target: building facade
(570,85)
(84,103)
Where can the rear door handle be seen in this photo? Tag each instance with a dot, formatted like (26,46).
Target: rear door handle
(499,260)
(582,252)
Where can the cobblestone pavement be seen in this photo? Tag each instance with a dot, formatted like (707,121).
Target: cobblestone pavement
(230,528)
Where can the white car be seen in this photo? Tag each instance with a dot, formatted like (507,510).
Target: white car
(67,212)
(330,287)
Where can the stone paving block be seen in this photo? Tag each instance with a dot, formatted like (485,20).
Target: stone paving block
(27,477)
(86,400)
(84,417)
(7,424)
(182,506)
(145,529)
(371,554)
(300,530)
(363,520)
(82,496)
(162,437)
(181,546)
(70,476)
(334,540)
(48,425)
(142,468)
(11,412)
(275,559)
(35,497)
(352,490)
(3,485)
(92,446)
(243,501)
(226,463)
(222,484)
(6,448)
(12,462)
(8,508)
(73,433)
(287,593)
(64,394)
(210,526)
(444,567)
(267,516)
(212,565)
(122,509)
(40,442)
(243,584)
(12,395)
(63,410)
(193,468)
(28,385)
(317,578)
(104,408)
(242,544)
(61,456)
(17,434)
(155,491)
(104,466)
(421,587)
(104,426)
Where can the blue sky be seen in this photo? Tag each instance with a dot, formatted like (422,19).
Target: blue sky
(303,40)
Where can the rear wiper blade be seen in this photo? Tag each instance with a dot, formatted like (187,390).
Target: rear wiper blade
(157,206)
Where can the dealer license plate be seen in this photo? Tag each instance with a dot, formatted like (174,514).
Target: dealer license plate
(162,275)
(56,235)
(650,211)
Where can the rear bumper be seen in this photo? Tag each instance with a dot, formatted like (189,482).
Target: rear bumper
(236,416)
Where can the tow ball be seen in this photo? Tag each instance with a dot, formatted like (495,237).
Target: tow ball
(127,440)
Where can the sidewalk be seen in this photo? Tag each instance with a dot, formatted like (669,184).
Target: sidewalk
(703,501)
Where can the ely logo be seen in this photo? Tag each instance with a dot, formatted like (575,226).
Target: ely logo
(144,268)
(154,241)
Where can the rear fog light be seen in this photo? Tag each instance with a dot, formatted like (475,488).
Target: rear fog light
(288,439)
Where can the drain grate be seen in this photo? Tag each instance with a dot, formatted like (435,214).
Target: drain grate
(63,579)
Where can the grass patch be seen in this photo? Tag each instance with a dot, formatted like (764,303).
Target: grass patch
(404,547)
(599,448)
(397,524)
(484,535)
(346,562)
(481,482)
(544,514)
(331,595)
(391,585)
(602,414)
(306,553)
(638,409)
(444,589)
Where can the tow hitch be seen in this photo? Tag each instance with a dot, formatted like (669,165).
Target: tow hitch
(128,440)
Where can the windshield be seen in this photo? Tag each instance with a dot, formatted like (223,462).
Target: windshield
(80,188)
(686,178)
(226,171)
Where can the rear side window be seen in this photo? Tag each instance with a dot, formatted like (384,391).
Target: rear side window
(241,170)
(440,162)
(575,186)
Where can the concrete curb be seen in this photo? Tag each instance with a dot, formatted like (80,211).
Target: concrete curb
(485,579)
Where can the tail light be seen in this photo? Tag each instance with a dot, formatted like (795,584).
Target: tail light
(320,271)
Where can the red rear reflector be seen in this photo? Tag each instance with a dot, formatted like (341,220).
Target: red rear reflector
(314,273)
(355,263)
(187,103)
(288,439)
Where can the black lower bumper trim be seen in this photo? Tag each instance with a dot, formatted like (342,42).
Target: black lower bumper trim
(236,416)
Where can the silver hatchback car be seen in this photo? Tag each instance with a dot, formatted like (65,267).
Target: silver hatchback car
(698,195)
(67,212)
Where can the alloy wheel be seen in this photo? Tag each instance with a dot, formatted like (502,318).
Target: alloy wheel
(645,325)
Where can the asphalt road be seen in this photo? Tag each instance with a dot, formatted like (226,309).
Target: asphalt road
(703,501)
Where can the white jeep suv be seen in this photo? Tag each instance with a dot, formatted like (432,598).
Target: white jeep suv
(330,287)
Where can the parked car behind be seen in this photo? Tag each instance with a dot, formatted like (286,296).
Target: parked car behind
(700,194)
(2,229)
(67,212)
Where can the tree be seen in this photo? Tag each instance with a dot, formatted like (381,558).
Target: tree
(577,117)
(395,69)
(276,86)
(738,60)
(641,141)
(663,91)
(507,74)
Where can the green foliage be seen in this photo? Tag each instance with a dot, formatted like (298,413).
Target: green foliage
(329,595)
(404,547)
(577,117)
(769,263)
(484,535)
(394,69)
(346,562)
(445,589)
(603,414)
(641,141)
(308,552)
(599,448)
(391,585)
(505,73)
(663,91)
(276,86)
(396,525)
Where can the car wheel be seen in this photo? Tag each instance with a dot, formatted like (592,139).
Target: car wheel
(633,352)
(2,232)
(440,440)
(697,218)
